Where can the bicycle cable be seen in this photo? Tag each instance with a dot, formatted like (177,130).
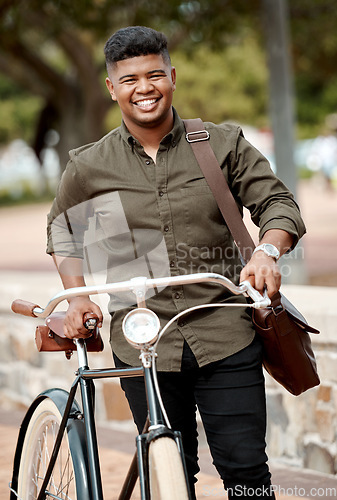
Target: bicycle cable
(161,333)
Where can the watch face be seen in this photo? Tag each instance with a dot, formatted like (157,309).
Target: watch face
(273,252)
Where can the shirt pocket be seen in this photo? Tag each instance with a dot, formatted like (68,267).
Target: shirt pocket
(204,223)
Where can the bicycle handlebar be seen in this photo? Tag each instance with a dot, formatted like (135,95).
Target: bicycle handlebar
(25,308)
(139,286)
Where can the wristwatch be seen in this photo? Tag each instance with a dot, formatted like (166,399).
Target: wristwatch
(269,250)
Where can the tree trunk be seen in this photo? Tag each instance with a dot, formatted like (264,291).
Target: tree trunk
(79,120)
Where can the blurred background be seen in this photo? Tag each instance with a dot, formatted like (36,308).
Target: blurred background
(267,65)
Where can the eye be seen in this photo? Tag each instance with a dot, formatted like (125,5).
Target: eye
(129,80)
(157,76)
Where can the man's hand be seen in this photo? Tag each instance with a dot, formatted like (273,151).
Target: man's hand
(73,323)
(71,273)
(262,271)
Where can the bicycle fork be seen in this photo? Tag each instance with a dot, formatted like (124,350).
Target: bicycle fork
(154,429)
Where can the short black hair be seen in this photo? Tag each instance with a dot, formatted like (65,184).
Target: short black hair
(135,41)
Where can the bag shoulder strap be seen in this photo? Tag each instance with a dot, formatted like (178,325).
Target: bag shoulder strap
(198,137)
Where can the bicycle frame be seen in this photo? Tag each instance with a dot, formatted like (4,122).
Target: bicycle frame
(138,467)
(85,377)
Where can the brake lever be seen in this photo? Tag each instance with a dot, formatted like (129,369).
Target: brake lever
(259,301)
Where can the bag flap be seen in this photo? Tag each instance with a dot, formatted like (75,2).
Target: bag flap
(296,315)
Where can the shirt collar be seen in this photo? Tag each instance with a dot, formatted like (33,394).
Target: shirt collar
(171,138)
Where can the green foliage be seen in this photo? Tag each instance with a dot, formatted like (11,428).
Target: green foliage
(53,49)
(314,104)
(113,118)
(18,112)
(227,85)
(314,47)
(26,197)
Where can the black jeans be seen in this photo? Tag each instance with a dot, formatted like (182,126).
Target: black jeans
(230,396)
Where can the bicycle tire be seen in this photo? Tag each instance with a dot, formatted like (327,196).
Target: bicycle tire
(36,447)
(166,473)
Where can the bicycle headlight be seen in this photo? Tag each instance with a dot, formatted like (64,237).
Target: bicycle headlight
(141,327)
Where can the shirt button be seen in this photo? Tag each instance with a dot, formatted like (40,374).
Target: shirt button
(147,162)
(161,193)
(166,229)
(177,295)
(172,263)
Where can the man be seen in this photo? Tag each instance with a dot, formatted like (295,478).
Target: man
(212,360)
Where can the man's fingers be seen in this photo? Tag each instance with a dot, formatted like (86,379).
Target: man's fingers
(75,317)
(246,277)
(73,326)
(98,312)
(262,273)
(69,332)
(73,333)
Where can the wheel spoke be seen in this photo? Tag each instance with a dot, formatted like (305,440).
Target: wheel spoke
(37,450)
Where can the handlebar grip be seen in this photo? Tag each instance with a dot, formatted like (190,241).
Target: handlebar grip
(23,307)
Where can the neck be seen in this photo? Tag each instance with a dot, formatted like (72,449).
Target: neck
(151,136)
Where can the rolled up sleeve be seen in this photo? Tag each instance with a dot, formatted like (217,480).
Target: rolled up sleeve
(256,187)
(68,217)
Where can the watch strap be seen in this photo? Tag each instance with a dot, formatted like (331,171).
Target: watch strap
(263,248)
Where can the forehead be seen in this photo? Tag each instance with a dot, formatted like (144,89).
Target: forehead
(138,65)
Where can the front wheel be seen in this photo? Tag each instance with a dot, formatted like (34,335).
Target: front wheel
(166,472)
(34,452)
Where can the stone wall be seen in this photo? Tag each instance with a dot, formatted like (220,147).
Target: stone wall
(24,372)
(301,430)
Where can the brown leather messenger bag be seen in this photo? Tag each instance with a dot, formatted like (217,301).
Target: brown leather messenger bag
(288,356)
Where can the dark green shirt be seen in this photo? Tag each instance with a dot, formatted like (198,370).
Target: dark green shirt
(168,206)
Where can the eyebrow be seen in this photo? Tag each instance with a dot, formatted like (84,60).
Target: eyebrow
(148,73)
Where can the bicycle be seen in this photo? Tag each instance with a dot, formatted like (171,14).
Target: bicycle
(57,453)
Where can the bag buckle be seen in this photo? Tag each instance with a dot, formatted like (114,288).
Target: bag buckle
(278,309)
(205,137)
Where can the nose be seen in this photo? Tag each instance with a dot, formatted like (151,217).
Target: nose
(144,86)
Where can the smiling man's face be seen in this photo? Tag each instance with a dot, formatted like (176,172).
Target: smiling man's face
(143,87)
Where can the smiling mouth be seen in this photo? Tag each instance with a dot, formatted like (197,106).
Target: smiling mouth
(146,103)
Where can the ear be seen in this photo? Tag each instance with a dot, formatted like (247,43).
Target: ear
(173,77)
(110,87)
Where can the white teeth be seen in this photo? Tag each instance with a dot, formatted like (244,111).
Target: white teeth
(145,103)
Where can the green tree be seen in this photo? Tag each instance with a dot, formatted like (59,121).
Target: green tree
(314,48)
(53,49)
(18,111)
(231,86)
(43,53)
